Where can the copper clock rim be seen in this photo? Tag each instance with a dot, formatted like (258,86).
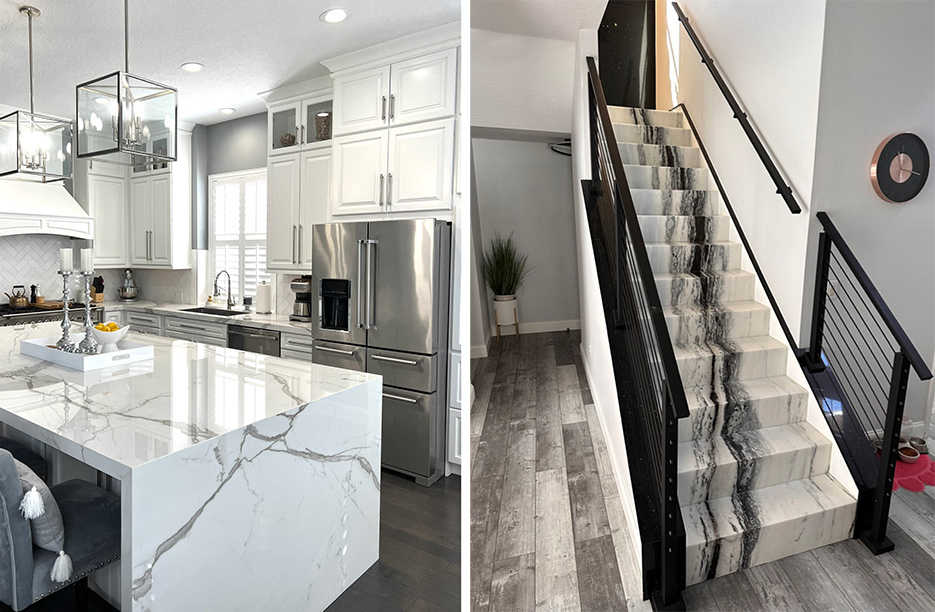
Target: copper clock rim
(875,166)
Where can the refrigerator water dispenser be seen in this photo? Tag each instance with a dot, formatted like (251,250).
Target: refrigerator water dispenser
(335,296)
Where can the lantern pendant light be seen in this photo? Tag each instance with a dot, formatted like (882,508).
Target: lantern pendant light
(32,146)
(127,119)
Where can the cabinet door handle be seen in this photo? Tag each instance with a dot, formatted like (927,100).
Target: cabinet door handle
(384,108)
(300,244)
(302,140)
(294,228)
(389,189)
(392,106)
(400,398)
(297,343)
(382,179)
(334,350)
(408,362)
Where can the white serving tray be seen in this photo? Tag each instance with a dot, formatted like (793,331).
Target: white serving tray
(128,352)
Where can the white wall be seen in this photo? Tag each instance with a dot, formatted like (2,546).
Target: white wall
(866,96)
(771,54)
(525,188)
(521,82)
(480,316)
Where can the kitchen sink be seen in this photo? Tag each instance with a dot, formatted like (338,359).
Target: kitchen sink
(214,311)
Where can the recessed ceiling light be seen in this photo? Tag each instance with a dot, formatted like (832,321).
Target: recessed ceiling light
(193,67)
(101,100)
(226,111)
(335,15)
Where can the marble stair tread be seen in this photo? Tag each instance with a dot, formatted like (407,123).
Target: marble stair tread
(683,228)
(644,116)
(696,323)
(730,360)
(652,134)
(666,177)
(742,406)
(660,155)
(721,286)
(733,533)
(740,462)
(691,202)
(676,257)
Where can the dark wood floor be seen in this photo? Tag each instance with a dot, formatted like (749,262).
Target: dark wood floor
(420,551)
(540,524)
(420,554)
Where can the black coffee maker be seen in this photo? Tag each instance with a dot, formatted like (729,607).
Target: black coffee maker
(302,308)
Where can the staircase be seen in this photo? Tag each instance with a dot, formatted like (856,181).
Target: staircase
(753,474)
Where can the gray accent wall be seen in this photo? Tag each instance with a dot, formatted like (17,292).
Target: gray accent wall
(239,144)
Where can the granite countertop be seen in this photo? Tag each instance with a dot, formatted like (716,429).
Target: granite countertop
(278,322)
(120,418)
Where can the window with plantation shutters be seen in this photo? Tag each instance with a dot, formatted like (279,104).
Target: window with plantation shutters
(238,230)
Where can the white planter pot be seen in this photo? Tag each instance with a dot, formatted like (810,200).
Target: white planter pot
(505,308)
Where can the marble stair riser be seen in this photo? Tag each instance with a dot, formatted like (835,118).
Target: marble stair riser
(692,290)
(669,228)
(666,178)
(787,519)
(644,116)
(698,258)
(652,134)
(660,155)
(754,459)
(742,406)
(688,326)
(687,202)
(746,359)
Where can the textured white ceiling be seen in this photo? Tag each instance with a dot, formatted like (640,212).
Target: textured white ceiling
(247,46)
(559,19)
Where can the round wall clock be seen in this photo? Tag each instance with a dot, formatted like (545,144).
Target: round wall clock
(899,168)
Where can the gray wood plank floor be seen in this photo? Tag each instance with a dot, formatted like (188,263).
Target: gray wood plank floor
(547,524)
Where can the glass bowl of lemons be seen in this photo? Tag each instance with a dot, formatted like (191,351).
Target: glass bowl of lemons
(108,335)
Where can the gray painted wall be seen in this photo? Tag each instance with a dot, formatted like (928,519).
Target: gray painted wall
(525,188)
(865,96)
(239,144)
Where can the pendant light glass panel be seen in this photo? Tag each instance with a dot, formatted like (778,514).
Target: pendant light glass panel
(35,146)
(125,118)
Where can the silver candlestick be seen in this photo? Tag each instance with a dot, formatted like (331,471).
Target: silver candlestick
(64,343)
(88,345)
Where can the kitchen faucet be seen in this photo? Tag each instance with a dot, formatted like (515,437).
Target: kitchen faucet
(217,291)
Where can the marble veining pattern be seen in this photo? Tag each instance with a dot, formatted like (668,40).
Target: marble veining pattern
(753,477)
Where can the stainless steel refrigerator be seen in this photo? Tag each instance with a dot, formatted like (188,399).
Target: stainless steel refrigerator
(380,305)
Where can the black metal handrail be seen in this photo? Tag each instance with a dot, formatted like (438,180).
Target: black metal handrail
(649,385)
(781,187)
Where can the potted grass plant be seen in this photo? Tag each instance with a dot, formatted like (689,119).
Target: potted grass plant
(504,268)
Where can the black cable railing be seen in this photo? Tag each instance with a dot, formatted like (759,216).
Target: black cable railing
(652,398)
(859,360)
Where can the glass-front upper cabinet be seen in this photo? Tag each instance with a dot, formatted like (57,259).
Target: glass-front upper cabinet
(295,126)
(284,130)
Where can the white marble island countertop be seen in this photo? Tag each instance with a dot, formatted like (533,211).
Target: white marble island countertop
(245,480)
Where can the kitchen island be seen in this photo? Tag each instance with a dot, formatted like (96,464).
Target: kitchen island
(247,482)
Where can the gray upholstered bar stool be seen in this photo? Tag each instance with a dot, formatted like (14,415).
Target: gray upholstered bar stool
(91,518)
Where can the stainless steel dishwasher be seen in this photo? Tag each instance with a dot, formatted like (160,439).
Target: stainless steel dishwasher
(263,341)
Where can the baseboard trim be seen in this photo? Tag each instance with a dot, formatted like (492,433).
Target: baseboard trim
(537,327)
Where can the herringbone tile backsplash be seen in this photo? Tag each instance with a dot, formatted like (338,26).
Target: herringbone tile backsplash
(30,260)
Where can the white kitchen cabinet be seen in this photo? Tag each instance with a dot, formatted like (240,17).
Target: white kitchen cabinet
(359,173)
(160,213)
(298,190)
(361,100)
(107,204)
(454,438)
(423,88)
(420,166)
(282,206)
(294,120)
(418,89)
(284,123)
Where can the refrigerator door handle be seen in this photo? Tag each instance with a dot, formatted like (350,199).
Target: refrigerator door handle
(328,349)
(369,321)
(400,398)
(408,362)
(360,287)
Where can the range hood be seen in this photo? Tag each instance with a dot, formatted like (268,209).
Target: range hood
(28,207)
